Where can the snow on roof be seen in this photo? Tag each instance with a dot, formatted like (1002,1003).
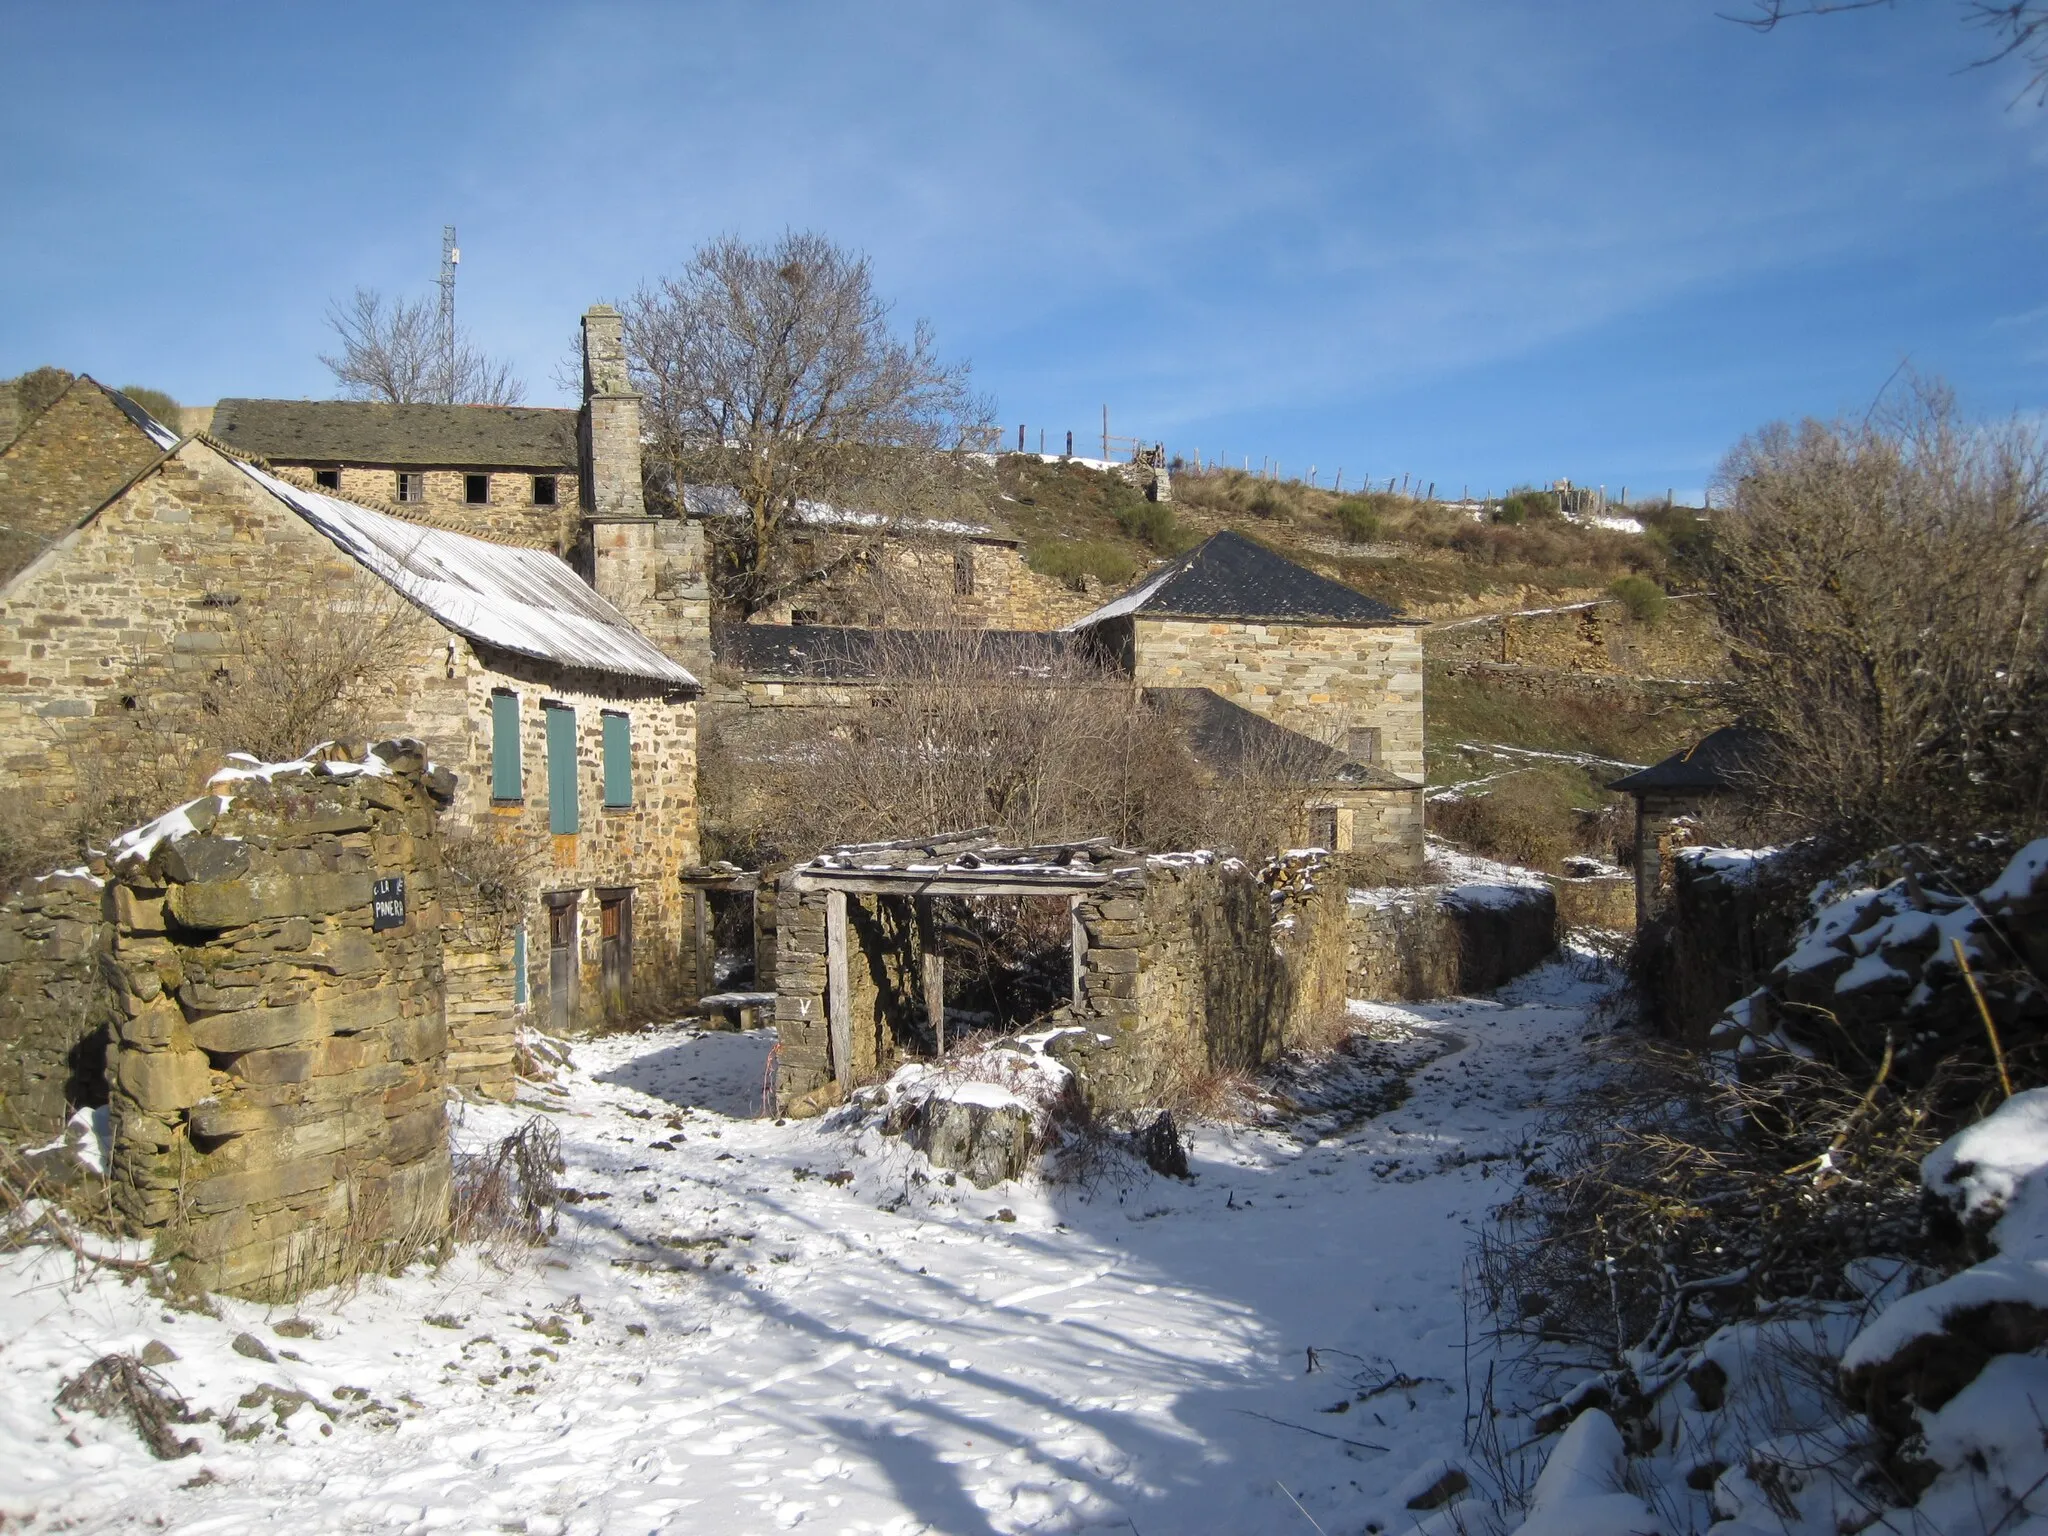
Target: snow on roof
(521,600)
(155,430)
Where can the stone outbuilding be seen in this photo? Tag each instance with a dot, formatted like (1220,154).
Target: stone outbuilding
(1671,796)
(68,460)
(1277,639)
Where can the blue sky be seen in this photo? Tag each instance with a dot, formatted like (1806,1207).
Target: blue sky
(1477,241)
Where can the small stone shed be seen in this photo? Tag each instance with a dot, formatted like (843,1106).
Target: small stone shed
(1671,795)
(1180,963)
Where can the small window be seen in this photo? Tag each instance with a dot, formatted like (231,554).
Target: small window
(543,490)
(507,781)
(618,762)
(561,735)
(803,615)
(1362,743)
(476,489)
(327,479)
(412,486)
(963,572)
(1322,827)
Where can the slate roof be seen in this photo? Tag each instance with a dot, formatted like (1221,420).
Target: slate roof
(1229,739)
(521,600)
(1228,576)
(365,432)
(825,652)
(1715,762)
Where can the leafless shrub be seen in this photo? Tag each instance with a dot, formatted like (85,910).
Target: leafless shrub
(1672,1201)
(1521,818)
(1880,584)
(121,1386)
(508,1193)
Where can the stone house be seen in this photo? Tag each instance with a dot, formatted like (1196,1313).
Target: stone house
(509,473)
(1277,639)
(1670,798)
(573,737)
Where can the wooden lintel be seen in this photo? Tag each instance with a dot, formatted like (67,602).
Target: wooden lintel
(982,882)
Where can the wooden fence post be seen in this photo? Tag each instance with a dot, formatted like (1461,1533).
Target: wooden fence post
(838,997)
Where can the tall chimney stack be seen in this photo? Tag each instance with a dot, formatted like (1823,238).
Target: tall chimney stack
(611,419)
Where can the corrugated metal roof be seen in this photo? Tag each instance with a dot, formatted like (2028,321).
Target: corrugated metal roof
(521,600)
(368,432)
(1228,576)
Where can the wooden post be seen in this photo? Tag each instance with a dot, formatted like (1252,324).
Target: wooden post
(934,966)
(701,958)
(1105,432)
(1020,437)
(838,999)
(1080,946)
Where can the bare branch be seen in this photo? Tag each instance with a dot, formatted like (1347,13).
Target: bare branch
(396,353)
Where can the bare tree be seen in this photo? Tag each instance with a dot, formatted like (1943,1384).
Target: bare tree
(773,368)
(1882,588)
(2019,28)
(399,353)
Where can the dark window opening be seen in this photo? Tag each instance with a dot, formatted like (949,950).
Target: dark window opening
(411,486)
(476,489)
(1322,827)
(963,572)
(543,490)
(803,615)
(1362,743)
(327,479)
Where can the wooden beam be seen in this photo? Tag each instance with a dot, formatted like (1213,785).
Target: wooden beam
(1080,947)
(980,882)
(838,997)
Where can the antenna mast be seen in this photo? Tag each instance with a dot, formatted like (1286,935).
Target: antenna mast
(449,257)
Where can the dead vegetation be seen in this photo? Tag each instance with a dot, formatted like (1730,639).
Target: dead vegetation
(121,1387)
(508,1193)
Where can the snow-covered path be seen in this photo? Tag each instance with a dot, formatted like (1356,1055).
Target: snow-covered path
(730,1335)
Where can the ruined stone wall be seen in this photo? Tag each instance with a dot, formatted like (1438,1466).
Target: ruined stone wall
(1447,941)
(914,581)
(1319,679)
(1684,643)
(71,458)
(1715,938)
(54,1004)
(277,1073)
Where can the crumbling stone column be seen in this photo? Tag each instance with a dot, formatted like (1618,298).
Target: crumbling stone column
(278,1070)
(54,1004)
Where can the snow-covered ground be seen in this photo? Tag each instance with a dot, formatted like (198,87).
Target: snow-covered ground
(749,1326)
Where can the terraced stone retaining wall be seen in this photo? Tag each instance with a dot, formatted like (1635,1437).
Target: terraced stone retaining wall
(1422,942)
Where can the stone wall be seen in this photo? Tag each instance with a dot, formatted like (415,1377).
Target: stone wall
(1599,637)
(277,1074)
(1319,679)
(511,516)
(1423,942)
(653,570)
(1595,901)
(910,580)
(1715,938)
(54,1004)
(1380,836)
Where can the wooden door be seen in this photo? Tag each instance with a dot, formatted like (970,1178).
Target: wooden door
(615,950)
(562,966)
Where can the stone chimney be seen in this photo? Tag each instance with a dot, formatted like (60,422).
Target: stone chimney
(652,569)
(611,419)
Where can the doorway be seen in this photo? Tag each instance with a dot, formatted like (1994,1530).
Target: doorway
(615,950)
(563,969)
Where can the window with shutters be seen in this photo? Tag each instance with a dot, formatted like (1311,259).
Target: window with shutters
(508,783)
(618,761)
(561,739)
(1322,827)
(963,572)
(412,485)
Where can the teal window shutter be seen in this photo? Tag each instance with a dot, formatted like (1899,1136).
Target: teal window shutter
(507,782)
(618,761)
(561,769)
